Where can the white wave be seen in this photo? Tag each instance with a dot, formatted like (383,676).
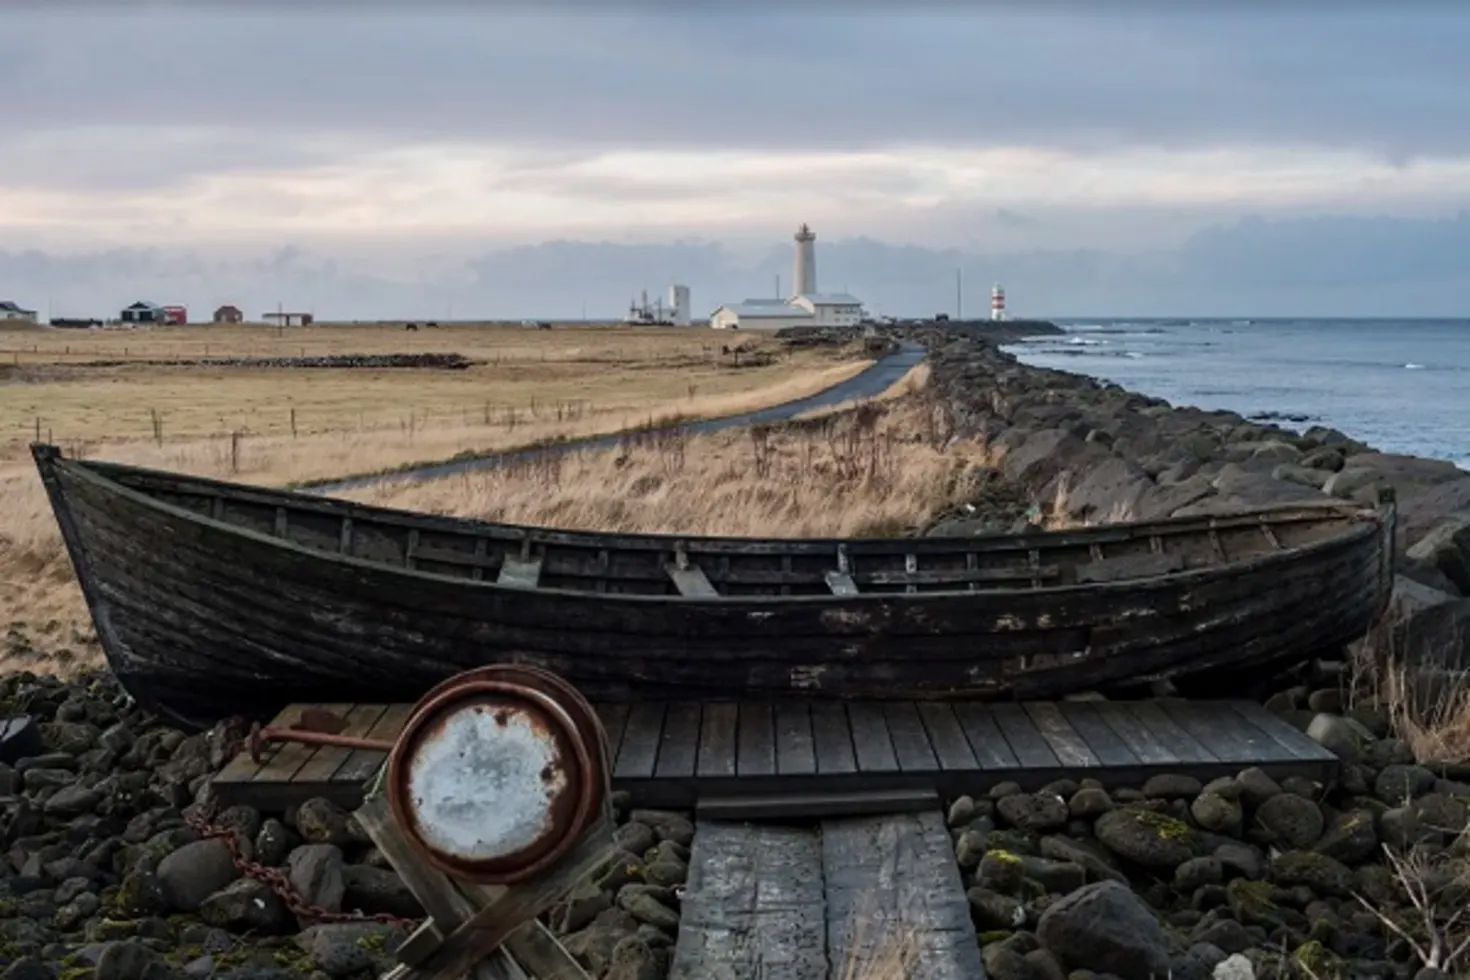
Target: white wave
(1085,342)
(1413,367)
(1135,355)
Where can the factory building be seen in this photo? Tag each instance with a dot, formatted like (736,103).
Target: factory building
(805,308)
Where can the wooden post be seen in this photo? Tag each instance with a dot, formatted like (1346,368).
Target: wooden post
(488,932)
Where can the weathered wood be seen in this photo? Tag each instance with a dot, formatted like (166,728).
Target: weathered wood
(841,583)
(1129,566)
(208,616)
(753,905)
(788,756)
(449,909)
(778,806)
(519,574)
(894,899)
(691,581)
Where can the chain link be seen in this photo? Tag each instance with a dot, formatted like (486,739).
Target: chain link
(201,822)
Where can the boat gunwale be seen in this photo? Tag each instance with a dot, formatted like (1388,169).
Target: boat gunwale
(1282,513)
(1358,523)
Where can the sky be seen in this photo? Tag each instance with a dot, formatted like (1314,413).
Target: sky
(440,160)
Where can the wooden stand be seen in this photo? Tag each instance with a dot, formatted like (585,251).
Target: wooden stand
(489,932)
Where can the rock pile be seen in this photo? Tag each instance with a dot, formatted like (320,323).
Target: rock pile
(1239,877)
(107,877)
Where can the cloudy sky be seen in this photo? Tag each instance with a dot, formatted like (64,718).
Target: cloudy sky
(429,159)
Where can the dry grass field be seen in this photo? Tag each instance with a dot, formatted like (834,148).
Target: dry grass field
(882,469)
(278,425)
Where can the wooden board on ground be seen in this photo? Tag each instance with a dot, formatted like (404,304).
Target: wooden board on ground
(851,897)
(797,758)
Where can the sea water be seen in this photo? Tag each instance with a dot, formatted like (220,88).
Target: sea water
(1401,386)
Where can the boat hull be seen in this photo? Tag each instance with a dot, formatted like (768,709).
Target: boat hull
(201,619)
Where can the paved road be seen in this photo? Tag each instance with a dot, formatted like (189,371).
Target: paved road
(873,381)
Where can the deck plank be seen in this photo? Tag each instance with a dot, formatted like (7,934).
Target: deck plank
(717,739)
(774,760)
(753,905)
(910,742)
(992,752)
(893,879)
(1021,735)
(1111,751)
(947,737)
(1185,746)
(756,752)
(833,738)
(638,755)
(678,749)
(287,760)
(1070,748)
(796,749)
(871,742)
(614,717)
(327,759)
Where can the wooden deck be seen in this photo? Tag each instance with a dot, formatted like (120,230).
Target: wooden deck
(745,760)
(820,902)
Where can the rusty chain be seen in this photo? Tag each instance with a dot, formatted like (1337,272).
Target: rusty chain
(201,822)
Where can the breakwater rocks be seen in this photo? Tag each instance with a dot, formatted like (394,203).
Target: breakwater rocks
(106,876)
(440,362)
(1089,451)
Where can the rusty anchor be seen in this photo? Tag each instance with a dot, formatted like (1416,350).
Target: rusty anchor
(317,726)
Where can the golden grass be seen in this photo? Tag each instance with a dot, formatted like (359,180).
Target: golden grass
(236,423)
(1433,720)
(873,471)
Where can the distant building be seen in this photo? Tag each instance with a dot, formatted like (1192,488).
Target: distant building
(228,314)
(175,314)
(807,308)
(143,312)
(13,311)
(289,319)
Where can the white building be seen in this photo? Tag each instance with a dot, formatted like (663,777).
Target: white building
(679,304)
(12,311)
(807,308)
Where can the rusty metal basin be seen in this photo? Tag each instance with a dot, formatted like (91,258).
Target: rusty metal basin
(497,773)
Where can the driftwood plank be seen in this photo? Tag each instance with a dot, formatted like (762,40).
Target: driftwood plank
(893,880)
(753,905)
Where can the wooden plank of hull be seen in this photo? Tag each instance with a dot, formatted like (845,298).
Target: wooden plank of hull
(201,615)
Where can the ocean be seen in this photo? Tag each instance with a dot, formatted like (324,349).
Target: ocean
(1401,386)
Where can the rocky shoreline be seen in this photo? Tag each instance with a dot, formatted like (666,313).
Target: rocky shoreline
(106,875)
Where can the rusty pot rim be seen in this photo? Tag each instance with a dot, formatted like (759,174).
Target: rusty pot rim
(511,686)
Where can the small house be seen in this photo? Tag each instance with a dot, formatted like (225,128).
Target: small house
(143,312)
(13,311)
(229,314)
(175,314)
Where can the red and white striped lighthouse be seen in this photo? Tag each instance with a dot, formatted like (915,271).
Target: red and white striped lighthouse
(997,303)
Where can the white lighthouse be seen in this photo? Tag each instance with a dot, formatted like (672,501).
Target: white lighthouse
(997,303)
(804,280)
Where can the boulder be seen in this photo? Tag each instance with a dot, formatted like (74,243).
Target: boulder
(1106,928)
(1446,548)
(1427,508)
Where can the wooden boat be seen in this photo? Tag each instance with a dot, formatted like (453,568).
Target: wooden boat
(213,599)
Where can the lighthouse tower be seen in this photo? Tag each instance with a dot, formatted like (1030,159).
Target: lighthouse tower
(998,303)
(804,279)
